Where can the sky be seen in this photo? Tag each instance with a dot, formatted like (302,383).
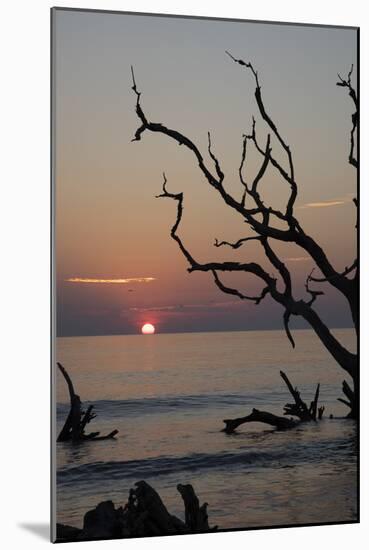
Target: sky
(116,265)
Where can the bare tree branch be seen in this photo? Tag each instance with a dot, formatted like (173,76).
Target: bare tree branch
(286,320)
(313,293)
(243,160)
(216,162)
(280,266)
(263,167)
(253,191)
(293,307)
(238,243)
(345,272)
(290,235)
(273,127)
(179,198)
(235,292)
(251,267)
(347,84)
(273,161)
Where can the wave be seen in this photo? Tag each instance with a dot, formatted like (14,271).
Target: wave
(284,456)
(170,403)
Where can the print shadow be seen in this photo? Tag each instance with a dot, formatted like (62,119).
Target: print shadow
(42,530)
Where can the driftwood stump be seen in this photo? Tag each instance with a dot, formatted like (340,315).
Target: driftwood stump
(196,516)
(77,420)
(298,408)
(144,515)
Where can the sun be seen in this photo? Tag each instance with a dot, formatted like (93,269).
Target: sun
(148,328)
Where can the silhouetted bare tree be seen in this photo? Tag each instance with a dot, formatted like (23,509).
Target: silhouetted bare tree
(262,219)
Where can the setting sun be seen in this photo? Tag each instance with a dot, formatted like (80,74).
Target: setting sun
(148,328)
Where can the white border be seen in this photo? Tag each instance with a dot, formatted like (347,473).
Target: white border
(25,265)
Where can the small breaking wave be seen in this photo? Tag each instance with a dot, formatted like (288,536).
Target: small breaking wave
(158,405)
(280,457)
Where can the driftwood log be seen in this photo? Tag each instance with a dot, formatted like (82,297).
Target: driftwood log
(144,515)
(280,422)
(77,419)
(298,409)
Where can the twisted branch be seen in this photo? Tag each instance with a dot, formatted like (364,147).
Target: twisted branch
(290,178)
(235,292)
(238,243)
(345,272)
(216,162)
(313,293)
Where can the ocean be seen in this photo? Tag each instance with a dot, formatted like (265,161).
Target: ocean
(167,394)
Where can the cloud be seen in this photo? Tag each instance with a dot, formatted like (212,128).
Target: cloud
(111,281)
(297,259)
(339,201)
(182,307)
(158,308)
(323,204)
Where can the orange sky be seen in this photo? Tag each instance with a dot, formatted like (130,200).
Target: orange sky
(110,226)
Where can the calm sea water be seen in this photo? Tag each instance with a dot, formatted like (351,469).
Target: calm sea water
(167,395)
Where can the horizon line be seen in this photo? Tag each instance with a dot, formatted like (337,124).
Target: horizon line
(195,332)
